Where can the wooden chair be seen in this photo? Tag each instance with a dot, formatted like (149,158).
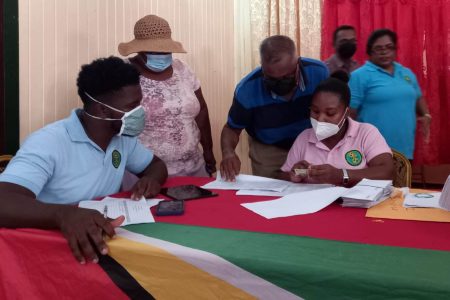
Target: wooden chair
(402,170)
(4,160)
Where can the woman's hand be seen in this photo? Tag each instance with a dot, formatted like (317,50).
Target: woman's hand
(425,122)
(301,177)
(210,162)
(325,174)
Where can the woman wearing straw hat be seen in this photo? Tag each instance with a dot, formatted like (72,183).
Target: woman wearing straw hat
(177,117)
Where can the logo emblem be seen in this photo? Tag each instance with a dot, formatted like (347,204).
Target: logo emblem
(116,159)
(408,79)
(353,157)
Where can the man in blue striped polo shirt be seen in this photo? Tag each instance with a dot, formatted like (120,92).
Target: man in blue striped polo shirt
(272,105)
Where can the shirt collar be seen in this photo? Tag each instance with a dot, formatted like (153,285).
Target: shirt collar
(374,67)
(74,127)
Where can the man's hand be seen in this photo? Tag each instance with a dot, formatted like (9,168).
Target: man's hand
(84,230)
(425,122)
(300,165)
(230,166)
(210,162)
(325,174)
(146,187)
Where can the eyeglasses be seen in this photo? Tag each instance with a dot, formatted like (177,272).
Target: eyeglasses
(381,49)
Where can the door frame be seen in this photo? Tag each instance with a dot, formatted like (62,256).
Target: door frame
(9,77)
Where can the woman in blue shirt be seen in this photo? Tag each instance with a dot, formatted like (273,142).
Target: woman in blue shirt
(387,94)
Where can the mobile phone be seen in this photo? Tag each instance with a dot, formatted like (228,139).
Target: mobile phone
(170,208)
(187,192)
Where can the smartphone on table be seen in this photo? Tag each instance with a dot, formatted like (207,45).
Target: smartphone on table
(187,192)
(170,208)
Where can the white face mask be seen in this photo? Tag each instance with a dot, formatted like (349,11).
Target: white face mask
(324,130)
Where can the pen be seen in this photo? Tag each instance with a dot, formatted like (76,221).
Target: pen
(105,211)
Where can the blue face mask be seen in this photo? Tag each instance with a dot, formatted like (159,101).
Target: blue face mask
(133,121)
(158,62)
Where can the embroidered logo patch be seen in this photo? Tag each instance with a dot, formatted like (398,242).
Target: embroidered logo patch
(116,159)
(353,157)
(408,79)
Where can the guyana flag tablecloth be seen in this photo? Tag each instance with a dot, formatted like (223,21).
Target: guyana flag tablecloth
(219,250)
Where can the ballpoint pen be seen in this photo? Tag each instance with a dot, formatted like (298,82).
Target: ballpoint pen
(105,211)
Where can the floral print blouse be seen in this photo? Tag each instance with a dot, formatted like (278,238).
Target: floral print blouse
(171,107)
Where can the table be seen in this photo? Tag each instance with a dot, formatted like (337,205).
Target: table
(220,250)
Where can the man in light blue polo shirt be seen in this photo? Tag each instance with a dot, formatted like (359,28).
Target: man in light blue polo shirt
(80,158)
(387,95)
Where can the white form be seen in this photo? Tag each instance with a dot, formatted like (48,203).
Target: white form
(291,189)
(134,211)
(296,204)
(422,200)
(247,182)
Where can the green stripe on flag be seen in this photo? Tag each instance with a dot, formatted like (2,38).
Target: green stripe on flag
(320,269)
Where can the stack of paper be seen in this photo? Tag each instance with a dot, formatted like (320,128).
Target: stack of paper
(291,188)
(262,186)
(367,193)
(444,201)
(135,212)
(248,182)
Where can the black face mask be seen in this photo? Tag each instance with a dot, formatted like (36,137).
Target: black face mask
(346,50)
(280,87)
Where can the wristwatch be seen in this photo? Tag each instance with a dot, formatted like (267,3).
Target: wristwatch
(345,178)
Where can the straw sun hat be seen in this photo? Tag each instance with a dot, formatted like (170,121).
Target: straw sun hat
(151,34)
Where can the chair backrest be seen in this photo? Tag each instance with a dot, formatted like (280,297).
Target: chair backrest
(4,160)
(402,170)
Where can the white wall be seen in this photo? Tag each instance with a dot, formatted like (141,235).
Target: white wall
(57,36)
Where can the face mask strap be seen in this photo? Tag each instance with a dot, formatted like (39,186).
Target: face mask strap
(110,107)
(98,118)
(343,119)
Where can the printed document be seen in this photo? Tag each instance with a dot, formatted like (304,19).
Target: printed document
(135,212)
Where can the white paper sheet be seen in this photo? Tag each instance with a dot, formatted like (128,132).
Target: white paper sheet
(422,200)
(291,189)
(248,182)
(135,212)
(444,202)
(296,204)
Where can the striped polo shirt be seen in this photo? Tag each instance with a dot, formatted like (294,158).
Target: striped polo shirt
(270,118)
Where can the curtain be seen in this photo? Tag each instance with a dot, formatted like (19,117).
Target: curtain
(257,19)
(423,46)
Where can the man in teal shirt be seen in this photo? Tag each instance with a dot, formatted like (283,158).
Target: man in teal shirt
(387,95)
(81,158)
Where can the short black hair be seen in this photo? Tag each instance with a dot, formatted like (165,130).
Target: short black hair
(335,85)
(273,45)
(342,27)
(375,35)
(103,76)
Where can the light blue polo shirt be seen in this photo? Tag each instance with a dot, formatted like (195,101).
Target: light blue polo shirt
(387,101)
(60,164)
